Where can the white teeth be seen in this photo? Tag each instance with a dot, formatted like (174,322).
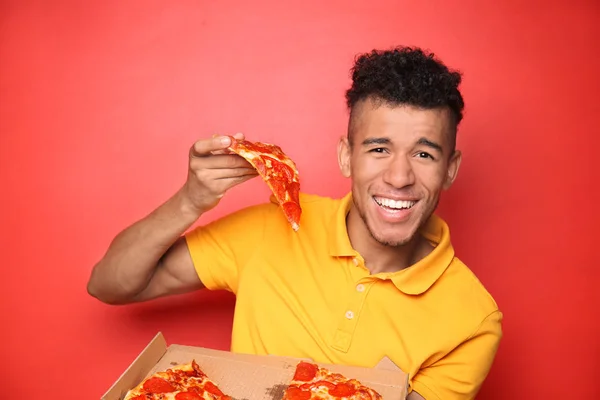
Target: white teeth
(389,203)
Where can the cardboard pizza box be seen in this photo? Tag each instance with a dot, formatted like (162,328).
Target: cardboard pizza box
(248,377)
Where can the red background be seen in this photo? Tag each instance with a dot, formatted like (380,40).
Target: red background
(100,101)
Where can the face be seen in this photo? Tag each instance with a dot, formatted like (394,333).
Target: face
(399,161)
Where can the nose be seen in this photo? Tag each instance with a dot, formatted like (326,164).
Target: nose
(399,172)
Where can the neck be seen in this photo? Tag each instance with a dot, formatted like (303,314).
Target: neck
(380,257)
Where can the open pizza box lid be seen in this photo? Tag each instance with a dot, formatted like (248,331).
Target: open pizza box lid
(248,377)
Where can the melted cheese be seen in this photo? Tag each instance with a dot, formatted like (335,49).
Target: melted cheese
(247,154)
(251,155)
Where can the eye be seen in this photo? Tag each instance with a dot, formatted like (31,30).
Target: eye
(379,150)
(423,154)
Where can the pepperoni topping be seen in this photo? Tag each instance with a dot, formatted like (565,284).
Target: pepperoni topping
(342,390)
(260,147)
(305,372)
(260,166)
(278,188)
(292,211)
(211,388)
(294,393)
(188,396)
(294,190)
(158,385)
(283,171)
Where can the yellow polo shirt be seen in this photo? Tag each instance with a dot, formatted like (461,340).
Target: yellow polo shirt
(308,294)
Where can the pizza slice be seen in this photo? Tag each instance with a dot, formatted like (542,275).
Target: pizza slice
(182,382)
(278,171)
(312,382)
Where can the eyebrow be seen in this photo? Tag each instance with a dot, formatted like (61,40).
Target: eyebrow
(376,140)
(429,143)
(384,140)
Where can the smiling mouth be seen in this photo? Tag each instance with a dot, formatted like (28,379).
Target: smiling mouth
(394,204)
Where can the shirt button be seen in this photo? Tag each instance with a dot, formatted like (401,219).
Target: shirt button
(360,287)
(349,314)
(355,260)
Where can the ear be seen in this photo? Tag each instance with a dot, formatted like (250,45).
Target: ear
(344,153)
(453,166)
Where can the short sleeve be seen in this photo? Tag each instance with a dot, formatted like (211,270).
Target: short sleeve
(460,374)
(220,249)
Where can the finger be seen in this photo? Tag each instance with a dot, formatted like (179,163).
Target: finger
(203,148)
(220,161)
(237,136)
(223,174)
(225,151)
(224,185)
(220,186)
(210,176)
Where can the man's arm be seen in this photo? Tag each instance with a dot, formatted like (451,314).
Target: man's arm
(150,258)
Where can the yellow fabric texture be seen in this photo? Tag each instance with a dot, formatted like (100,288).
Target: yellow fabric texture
(309,294)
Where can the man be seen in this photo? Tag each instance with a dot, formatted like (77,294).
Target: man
(368,276)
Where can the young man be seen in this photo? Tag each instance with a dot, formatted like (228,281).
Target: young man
(367,276)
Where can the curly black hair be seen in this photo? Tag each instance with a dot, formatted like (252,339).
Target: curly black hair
(406,76)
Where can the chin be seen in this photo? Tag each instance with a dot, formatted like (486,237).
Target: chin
(394,234)
(390,239)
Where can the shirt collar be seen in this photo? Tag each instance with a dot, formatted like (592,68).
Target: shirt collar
(418,278)
(415,279)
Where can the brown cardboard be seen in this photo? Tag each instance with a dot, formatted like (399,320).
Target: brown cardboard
(245,376)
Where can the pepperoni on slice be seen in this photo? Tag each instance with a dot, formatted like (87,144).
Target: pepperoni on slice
(260,166)
(294,191)
(305,371)
(158,385)
(262,147)
(278,188)
(282,169)
(212,388)
(292,211)
(188,396)
(294,393)
(342,390)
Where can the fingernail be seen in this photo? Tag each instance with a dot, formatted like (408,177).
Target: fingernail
(225,140)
